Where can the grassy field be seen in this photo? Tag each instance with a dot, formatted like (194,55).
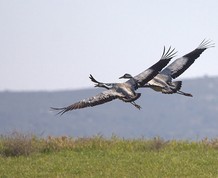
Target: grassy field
(30,156)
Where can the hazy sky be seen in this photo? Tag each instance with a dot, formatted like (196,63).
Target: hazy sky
(56,44)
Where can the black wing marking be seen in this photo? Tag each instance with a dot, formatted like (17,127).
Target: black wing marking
(177,67)
(101,98)
(145,76)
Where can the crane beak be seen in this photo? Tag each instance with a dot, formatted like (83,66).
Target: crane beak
(121,77)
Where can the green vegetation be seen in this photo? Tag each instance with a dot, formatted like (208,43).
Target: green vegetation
(30,156)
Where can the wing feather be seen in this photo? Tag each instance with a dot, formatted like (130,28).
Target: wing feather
(101,98)
(181,64)
(145,76)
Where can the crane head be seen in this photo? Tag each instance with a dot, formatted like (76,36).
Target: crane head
(126,76)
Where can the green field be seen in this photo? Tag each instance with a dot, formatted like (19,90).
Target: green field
(30,156)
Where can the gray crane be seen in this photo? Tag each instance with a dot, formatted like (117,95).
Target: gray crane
(123,91)
(163,81)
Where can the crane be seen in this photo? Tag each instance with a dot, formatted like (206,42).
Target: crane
(124,91)
(163,81)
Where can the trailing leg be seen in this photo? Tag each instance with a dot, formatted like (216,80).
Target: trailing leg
(185,94)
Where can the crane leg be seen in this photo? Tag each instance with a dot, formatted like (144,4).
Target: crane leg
(183,93)
(136,105)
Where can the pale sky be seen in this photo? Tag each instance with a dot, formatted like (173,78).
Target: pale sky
(56,44)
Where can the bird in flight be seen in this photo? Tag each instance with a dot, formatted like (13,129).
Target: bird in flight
(124,91)
(163,81)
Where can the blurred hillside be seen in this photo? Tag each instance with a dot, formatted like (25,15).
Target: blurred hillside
(167,116)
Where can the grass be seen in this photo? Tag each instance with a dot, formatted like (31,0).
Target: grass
(30,156)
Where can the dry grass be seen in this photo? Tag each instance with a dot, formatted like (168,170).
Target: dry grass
(212,143)
(17,144)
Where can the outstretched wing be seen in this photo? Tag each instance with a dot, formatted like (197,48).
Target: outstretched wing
(177,67)
(145,76)
(101,98)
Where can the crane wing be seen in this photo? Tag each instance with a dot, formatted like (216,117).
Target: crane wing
(101,98)
(145,76)
(181,64)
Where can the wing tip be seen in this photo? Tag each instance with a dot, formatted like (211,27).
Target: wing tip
(168,54)
(61,110)
(206,43)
